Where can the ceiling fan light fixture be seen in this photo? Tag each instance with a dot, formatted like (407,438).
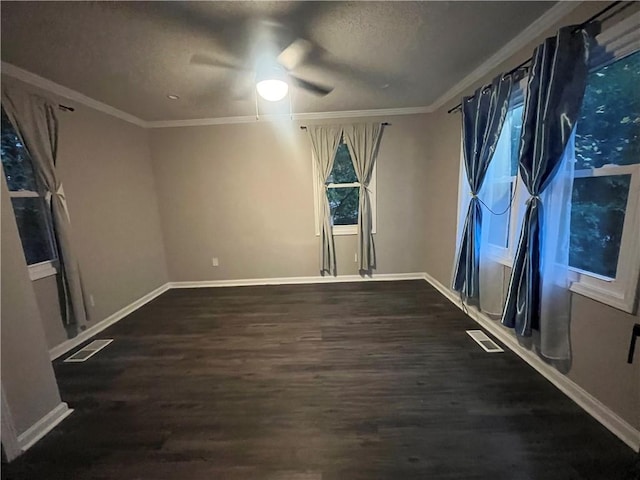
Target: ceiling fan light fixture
(272,89)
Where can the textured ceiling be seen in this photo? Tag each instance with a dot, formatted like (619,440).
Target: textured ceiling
(130,55)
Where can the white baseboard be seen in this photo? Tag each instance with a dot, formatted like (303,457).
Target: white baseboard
(82,337)
(43,426)
(619,427)
(72,343)
(298,280)
(9,435)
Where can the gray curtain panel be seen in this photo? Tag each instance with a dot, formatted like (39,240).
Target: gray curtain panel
(483,115)
(325,141)
(556,86)
(362,141)
(34,119)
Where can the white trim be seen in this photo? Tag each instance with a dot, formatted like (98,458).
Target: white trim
(72,343)
(9,434)
(383,277)
(533,31)
(57,89)
(43,426)
(338,230)
(619,292)
(529,34)
(23,194)
(42,270)
(379,112)
(619,427)
(585,400)
(199,122)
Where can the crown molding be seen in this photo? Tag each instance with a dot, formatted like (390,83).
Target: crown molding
(363,113)
(544,22)
(198,122)
(57,89)
(533,31)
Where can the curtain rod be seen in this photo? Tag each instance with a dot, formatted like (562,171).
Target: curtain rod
(304,127)
(524,65)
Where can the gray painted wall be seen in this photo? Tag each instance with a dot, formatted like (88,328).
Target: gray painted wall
(28,380)
(46,290)
(105,167)
(244,194)
(599,334)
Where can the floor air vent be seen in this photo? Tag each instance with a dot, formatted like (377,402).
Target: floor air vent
(485,342)
(89,350)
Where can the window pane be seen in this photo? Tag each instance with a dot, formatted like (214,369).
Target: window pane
(32,225)
(343,171)
(15,160)
(597,218)
(499,224)
(344,205)
(608,129)
(515,117)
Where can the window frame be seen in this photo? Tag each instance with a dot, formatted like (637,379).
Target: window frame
(519,196)
(619,292)
(345,229)
(504,255)
(49,267)
(614,44)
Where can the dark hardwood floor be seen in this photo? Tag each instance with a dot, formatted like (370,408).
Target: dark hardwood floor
(314,382)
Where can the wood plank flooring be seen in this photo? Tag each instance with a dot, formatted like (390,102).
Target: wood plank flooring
(351,381)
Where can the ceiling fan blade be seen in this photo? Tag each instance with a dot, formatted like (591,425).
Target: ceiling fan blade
(310,86)
(295,53)
(209,61)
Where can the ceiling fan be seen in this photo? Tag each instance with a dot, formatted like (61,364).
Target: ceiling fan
(270,69)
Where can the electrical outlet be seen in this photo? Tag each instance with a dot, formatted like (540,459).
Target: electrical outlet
(92,301)
(215,262)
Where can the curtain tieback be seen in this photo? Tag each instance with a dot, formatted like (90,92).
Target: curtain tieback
(60,194)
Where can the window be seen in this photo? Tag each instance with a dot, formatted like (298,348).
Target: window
(604,250)
(343,193)
(29,206)
(604,214)
(499,192)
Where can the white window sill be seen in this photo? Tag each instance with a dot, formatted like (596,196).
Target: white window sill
(345,229)
(499,255)
(507,262)
(607,292)
(339,230)
(42,270)
(595,287)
